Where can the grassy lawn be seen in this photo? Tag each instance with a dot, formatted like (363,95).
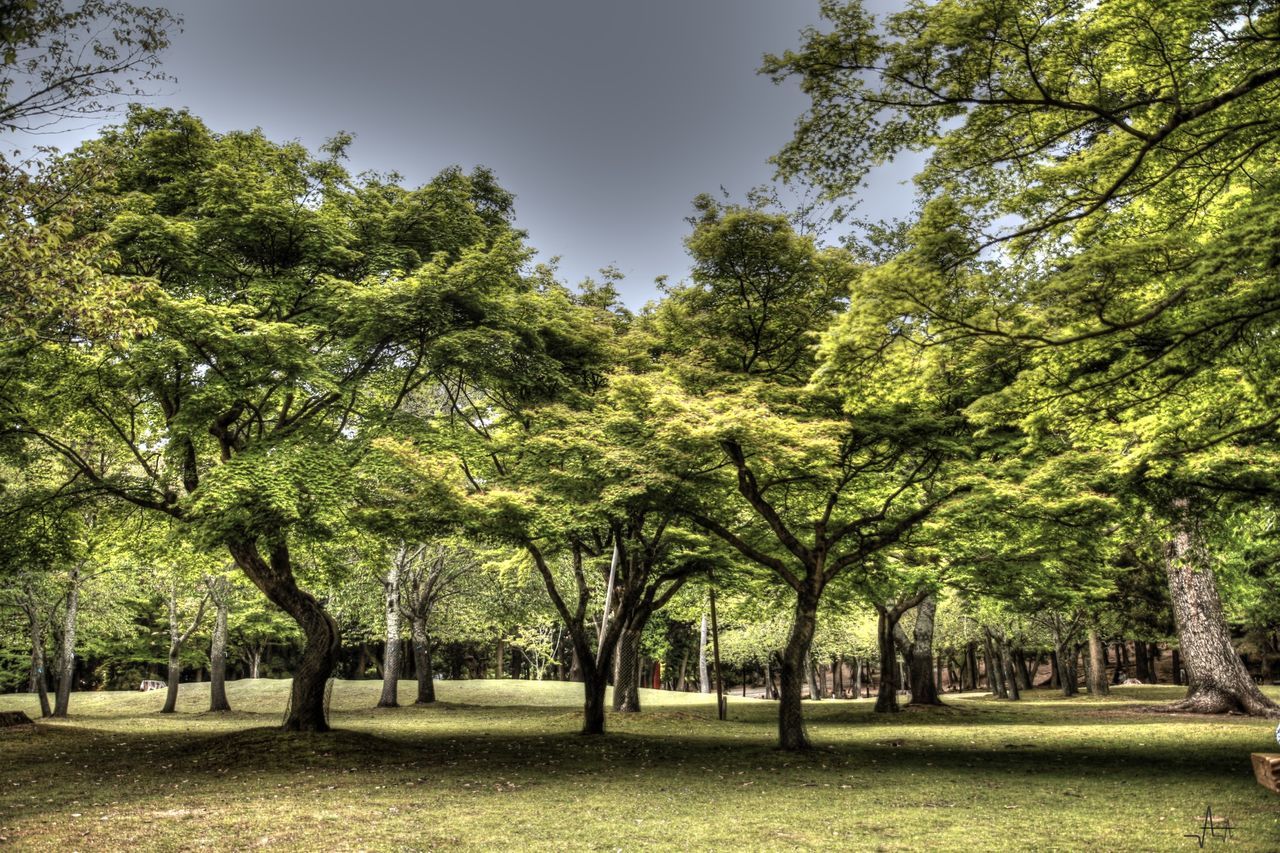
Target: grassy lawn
(498,764)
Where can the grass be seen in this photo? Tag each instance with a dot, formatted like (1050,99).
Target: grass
(497,764)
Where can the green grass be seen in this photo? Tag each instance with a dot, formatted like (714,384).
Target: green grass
(497,764)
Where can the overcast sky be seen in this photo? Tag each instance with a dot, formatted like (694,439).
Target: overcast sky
(604,117)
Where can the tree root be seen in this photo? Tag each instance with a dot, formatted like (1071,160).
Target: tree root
(1220,702)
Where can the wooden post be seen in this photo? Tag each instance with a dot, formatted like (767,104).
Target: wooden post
(715,649)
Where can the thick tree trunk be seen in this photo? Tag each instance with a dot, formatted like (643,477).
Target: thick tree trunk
(1175,658)
(1141,668)
(1217,680)
(218,658)
(971,666)
(887,693)
(1097,665)
(320,651)
(626,673)
(791,732)
(704,675)
(593,688)
(924,691)
(1020,669)
(390,697)
(67,653)
(422,663)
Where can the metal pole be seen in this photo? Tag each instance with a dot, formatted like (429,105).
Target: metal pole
(608,593)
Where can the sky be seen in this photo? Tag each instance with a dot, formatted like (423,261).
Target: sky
(604,117)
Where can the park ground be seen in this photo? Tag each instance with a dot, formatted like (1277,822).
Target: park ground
(497,765)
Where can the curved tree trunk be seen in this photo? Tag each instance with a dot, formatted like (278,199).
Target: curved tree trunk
(174,676)
(176,640)
(391,657)
(626,673)
(218,647)
(1217,681)
(924,690)
(67,653)
(791,733)
(422,663)
(320,651)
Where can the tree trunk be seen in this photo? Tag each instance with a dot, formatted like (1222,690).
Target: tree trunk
(684,668)
(422,663)
(971,666)
(37,682)
(218,656)
(626,673)
(995,674)
(593,687)
(175,675)
(1097,665)
(1010,676)
(67,653)
(1175,658)
(791,732)
(811,675)
(1141,670)
(391,612)
(500,658)
(887,694)
(255,661)
(704,675)
(924,691)
(320,651)
(1068,672)
(1217,680)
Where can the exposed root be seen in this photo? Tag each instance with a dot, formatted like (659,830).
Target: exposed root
(1221,702)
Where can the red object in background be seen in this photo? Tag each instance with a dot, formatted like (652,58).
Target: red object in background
(657,675)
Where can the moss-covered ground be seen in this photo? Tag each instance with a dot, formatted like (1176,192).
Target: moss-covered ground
(498,765)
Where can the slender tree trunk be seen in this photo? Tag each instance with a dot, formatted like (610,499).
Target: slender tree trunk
(255,661)
(924,691)
(704,675)
(626,673)
(37,682)
(1175,658)
(995,673)
(422,662)
(791,731)
(811,675)
(1217,679)
(684,668)
(218,658)
(1010,677)
(1097,665)
(67,654)
(391,613)
(500,658)
(320,651)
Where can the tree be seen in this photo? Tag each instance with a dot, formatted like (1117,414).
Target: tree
(284,342)
(1122,153)
(815,487)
